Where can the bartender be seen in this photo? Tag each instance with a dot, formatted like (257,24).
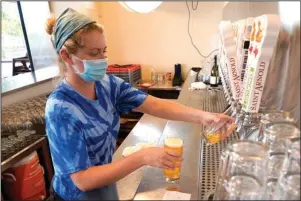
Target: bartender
(82,114)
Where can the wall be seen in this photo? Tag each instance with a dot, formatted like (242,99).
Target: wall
(159,39)
(86,7)
(239,10)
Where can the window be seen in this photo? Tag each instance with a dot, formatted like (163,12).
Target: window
(26,47)
(35,15)
(12,38)
(289,11)
(141,6)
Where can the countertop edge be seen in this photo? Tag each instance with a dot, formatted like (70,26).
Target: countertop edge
(27,86)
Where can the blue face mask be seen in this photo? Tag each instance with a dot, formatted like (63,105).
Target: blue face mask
(94,70)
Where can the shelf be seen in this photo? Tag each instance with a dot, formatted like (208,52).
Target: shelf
(9,162)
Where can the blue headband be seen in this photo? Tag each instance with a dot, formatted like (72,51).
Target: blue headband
(68,23)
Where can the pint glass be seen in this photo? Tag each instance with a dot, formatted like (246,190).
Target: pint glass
(177,145)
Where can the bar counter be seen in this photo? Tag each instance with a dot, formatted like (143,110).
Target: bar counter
(200,165)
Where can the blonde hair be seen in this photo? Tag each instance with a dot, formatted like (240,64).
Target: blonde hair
(73,43)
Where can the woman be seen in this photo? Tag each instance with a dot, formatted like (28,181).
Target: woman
(82,114)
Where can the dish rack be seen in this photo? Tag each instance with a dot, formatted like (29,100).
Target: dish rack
(130,73)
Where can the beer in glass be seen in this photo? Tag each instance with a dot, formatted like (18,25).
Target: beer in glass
(176,144)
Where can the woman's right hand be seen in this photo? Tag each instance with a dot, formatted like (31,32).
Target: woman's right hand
(161,158)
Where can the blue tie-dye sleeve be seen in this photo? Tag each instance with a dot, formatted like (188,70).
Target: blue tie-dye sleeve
(67,144)
(128,97)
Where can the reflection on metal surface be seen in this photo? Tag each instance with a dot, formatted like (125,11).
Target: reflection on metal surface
(253,134)
(162,86)
(153,184)
(173,187)
(148,129)
(146,132)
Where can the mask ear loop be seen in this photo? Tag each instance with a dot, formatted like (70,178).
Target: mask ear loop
(75,68)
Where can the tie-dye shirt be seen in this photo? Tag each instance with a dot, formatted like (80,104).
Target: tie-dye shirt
(83,132)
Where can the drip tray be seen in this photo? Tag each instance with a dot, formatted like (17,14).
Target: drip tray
(209,166)
(209,195)
(210,154)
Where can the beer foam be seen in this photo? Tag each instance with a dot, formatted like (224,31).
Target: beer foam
(173,142)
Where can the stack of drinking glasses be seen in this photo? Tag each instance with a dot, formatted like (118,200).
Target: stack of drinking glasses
(288,185)
(23,115)
(268,169)
(241,173)
(273,116)
(278,137)
(13,143)
(251,126)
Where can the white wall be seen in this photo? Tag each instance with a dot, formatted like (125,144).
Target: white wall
(239,10)
(86,7)
(158,39)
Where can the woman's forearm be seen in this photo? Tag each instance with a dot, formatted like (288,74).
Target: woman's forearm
(99,176)
(170,110)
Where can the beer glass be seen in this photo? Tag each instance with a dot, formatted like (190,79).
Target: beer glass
(271,117)
(217,132)
(175,144)
(241,172)
(288,185)
(278,137)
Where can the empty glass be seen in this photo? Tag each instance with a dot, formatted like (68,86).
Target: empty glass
(9,147)
(4,153)
(21,141)
(276,133)
(33,135)
(270,117)
(241,173)
(278,138)
(25,135)
(154,77)
(288,185)
(24,114)
(161,78)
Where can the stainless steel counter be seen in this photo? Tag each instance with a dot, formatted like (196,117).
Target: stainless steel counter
(148,183)
(27,80)
(153,184)
(167,85)
(148,129)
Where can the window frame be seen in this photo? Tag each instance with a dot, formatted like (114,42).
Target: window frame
(25,35)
